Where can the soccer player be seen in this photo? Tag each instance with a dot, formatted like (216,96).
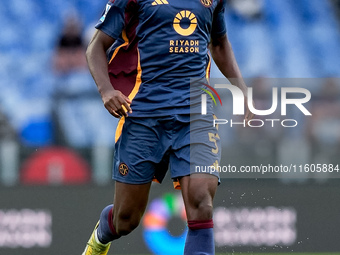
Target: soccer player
(142,57)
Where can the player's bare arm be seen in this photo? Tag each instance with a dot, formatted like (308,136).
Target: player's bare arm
(224,58)
(114,101)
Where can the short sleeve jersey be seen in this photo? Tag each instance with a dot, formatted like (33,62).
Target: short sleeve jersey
(160,45)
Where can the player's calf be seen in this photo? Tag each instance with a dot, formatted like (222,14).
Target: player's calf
(200,238)
(106,231)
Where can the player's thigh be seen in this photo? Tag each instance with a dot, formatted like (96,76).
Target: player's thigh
(138,151)
(130,201)
(198,192)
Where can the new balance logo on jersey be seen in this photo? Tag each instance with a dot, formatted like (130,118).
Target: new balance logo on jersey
(157,2)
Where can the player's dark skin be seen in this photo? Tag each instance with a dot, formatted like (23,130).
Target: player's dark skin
(198,191)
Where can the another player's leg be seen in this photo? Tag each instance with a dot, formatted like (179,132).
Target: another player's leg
(198,192)
(120,219)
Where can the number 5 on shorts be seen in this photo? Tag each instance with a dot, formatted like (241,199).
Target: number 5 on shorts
(212,138)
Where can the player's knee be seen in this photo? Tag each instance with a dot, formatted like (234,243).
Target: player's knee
(204,211)
(125,223)
(201,207)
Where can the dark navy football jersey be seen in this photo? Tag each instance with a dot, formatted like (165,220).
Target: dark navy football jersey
(160,45)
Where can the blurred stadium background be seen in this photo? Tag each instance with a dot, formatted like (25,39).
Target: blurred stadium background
(56,139)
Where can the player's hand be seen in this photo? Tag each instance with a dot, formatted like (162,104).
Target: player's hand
(116,103)
(248,114)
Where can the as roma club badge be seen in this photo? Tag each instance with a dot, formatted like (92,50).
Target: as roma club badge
(123,169)
(206,3)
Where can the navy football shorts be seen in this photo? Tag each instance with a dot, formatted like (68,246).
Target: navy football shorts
(147,147)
